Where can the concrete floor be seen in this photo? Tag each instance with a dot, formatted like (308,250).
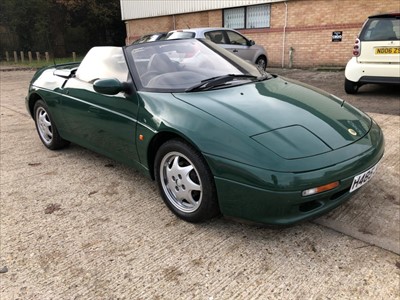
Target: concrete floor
(76,225)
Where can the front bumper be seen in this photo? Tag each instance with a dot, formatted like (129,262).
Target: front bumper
(278,208)
(269,197)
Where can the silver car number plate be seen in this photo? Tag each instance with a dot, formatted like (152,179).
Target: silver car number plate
(363,178)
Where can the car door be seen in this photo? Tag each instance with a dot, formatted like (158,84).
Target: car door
(239,45)
(103,123)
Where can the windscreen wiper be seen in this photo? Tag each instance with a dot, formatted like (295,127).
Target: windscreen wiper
(213,82)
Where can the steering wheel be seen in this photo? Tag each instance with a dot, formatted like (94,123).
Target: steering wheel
(146,77)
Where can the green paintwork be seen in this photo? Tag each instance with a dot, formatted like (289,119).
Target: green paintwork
(264,142)
(247,186)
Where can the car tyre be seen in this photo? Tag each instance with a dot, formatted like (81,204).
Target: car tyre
(261,62)
(185,182)
(46,128)
(350,87)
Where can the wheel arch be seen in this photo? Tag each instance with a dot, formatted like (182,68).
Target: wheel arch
(33,98)
(159,139)
(264,57)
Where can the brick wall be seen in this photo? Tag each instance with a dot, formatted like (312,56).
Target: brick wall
(308,31)
(139,27)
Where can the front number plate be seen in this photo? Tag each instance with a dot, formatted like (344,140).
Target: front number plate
(363,178)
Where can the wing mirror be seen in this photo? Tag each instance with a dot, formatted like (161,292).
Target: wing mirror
(110,86)
(251,43)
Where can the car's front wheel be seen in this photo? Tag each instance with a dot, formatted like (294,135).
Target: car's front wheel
(350,87)
(46,128)
(185,182)
(261,62)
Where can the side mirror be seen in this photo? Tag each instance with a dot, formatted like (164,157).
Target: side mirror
(251,43)
(109,86)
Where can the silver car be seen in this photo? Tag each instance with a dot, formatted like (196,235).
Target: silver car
(229,39)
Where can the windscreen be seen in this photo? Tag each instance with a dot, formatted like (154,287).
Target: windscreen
(180,64)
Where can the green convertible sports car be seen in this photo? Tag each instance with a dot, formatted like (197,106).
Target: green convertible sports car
(217,134)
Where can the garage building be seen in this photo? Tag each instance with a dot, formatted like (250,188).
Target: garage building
(295,33)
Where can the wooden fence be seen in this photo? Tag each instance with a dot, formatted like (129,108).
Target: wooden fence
(21,57)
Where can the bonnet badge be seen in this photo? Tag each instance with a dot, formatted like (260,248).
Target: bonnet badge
(352,131)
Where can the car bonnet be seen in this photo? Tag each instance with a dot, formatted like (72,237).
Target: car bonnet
(285,114)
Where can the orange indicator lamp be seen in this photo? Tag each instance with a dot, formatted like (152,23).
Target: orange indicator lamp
(320,189)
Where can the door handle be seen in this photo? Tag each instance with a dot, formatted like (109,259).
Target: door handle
(235,50)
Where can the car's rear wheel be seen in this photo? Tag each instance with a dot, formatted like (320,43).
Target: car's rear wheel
(46,128)
(185,182)
(261,62)
(350,87)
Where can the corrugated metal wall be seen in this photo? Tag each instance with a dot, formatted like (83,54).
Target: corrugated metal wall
(137,9)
